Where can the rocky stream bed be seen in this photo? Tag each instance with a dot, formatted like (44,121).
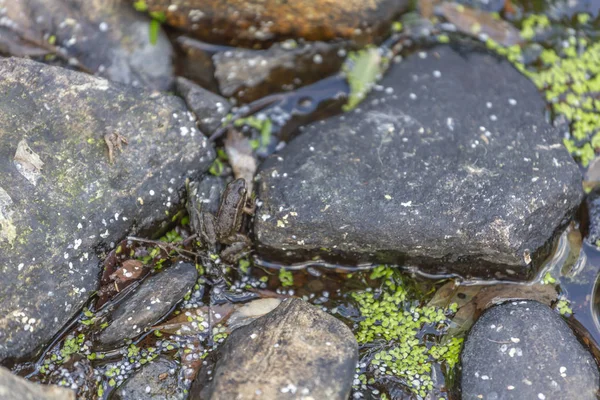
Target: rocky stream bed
(299,200)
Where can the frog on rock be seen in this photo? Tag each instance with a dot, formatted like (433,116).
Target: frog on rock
(225,227)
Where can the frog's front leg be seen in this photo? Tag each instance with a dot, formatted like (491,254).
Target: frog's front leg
(239,245)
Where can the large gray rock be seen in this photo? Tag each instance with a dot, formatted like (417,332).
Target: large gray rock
(294,352)
(108,38)
(13,387)
(156,380)
(452,167)
(61,200)
(153,299)
(524,350)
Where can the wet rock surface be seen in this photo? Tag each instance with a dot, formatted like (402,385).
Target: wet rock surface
(61,199)
(251,74)
(104,37)
(524,350)
(243,22)
(593,206)
(295,351)
(451,166)
(13,387)
(209,108)
(153,299)
(154,381)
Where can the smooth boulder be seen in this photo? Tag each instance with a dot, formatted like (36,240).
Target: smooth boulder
(525,350)
(65,198)
(450,166)
(295,351)
(14,387)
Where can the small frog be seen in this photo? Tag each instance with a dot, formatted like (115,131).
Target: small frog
(225,227)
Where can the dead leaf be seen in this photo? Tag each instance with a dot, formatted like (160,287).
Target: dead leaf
(491,295)
(426,7)
(476,23)
(487,296)
(241,157)
(130,269)
(28,162)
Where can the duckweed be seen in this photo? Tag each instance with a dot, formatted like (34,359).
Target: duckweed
(569,78)
(392,324)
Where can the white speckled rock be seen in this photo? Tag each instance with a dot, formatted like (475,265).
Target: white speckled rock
(296,351)
(524,350)
(451,167)
(62,201)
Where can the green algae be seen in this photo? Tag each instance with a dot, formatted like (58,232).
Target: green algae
(362,69)
(392,328)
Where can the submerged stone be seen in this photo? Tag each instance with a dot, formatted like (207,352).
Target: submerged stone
(152,300)
(157,380)
(108,38)
(251,22)
(451,166)
(524,350)
(14,387)
(294,351)
(61,198)
(249,75)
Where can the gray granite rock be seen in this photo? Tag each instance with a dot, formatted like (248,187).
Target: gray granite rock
(13,387)
(108,38)
(210,109)
(148,303)
(294,352)
(452,167)
(61,199)
(524,350)
(156,380)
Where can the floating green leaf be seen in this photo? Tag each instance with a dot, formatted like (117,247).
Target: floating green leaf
(362,69)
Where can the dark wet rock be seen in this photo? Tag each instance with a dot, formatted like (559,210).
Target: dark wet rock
(210,109)
(13,387)
(295,351)
(251,22)
(451,167)
(108,38)
(157,380)
(194,61)
(593,206)
(524,350)
(248,75)
(61,199)
(148,303)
